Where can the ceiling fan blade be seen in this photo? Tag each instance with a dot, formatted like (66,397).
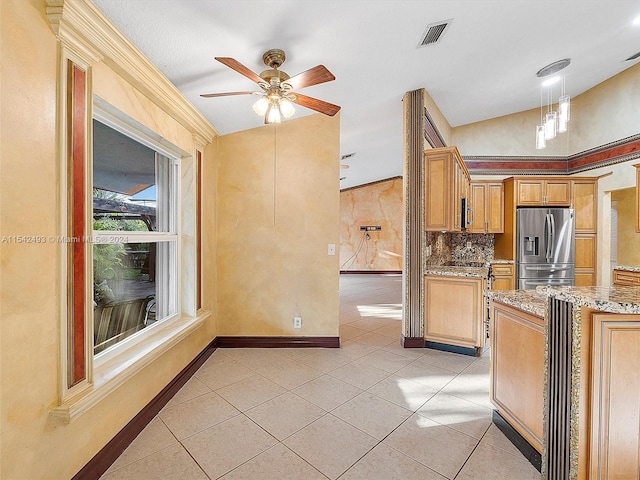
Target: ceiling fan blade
(241,69)
(313,76)
(317,105)
(226,94)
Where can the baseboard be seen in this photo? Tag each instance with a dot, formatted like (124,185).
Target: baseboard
(518,441)
(412,342)
(102,460)
(368,272)
(278,342)
(445,347)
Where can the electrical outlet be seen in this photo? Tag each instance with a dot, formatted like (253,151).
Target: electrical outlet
(468,244)
(428,250)
(297,322)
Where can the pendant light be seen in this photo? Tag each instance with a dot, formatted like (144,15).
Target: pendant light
(553,122)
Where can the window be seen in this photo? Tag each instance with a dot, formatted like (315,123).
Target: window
(135,237)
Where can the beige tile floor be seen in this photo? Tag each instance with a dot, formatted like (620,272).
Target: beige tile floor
(369,410)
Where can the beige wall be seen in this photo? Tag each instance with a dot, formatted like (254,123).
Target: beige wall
(278,191)
(628,238)
(606,113)
(382,204)
(34,444)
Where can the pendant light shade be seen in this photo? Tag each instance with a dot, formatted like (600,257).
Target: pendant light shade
(564,112)
(550,120)
(540,140)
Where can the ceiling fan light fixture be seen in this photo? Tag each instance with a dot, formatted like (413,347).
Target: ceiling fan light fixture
(260,107)
(272,114)
(286,108)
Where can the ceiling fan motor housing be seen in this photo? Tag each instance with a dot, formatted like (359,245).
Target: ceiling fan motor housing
(273,58)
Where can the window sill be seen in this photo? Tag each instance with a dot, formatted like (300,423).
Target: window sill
(109,375)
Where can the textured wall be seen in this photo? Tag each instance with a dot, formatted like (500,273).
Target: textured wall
(278,191)
(628,239)
(374,204)
(34,444)
(606,113)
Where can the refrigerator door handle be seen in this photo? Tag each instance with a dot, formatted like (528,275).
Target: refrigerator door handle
(552,249)
(547,229)
(547,269)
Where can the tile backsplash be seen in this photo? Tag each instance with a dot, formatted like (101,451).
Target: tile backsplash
(448,246)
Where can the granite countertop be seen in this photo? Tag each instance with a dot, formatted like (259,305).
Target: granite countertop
(627,268)
(531,301)
(482,272)
(604,299)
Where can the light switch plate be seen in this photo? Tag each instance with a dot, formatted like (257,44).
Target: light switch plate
(331,250)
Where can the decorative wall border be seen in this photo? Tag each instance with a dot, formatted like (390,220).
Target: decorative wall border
(620,151)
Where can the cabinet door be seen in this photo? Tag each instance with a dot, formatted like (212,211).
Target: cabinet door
(517,370)
(494,201)
(453,311)
(530,192)
(615,410)
(585,260)
(557,192)
(585,205)
(457,195)
(478,198)
(437,213)
(503,276)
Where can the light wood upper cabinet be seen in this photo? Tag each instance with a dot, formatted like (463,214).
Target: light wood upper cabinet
(487,204)
(543,192)
(585,203)
(446,184)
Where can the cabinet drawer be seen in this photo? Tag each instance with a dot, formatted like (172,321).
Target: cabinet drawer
(501,269)
(626,278)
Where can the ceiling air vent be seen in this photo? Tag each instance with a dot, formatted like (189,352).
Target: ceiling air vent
(433,32)
(633,57)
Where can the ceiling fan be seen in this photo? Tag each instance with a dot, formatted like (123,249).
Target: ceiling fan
(277,88)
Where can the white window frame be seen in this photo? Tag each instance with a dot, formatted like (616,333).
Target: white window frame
(117,364)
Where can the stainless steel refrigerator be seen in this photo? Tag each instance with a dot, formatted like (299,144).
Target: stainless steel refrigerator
(545,249)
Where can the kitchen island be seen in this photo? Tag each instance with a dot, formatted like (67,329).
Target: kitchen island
(591,385)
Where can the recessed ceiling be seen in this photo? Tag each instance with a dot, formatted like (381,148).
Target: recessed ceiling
(483,66)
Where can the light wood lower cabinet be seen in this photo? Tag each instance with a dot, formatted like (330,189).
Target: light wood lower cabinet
(615,404)
(517,370)
(503,277)
(585,274)
(455,311)
(623,278)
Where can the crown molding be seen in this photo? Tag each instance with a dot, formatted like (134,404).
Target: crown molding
(81,27)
